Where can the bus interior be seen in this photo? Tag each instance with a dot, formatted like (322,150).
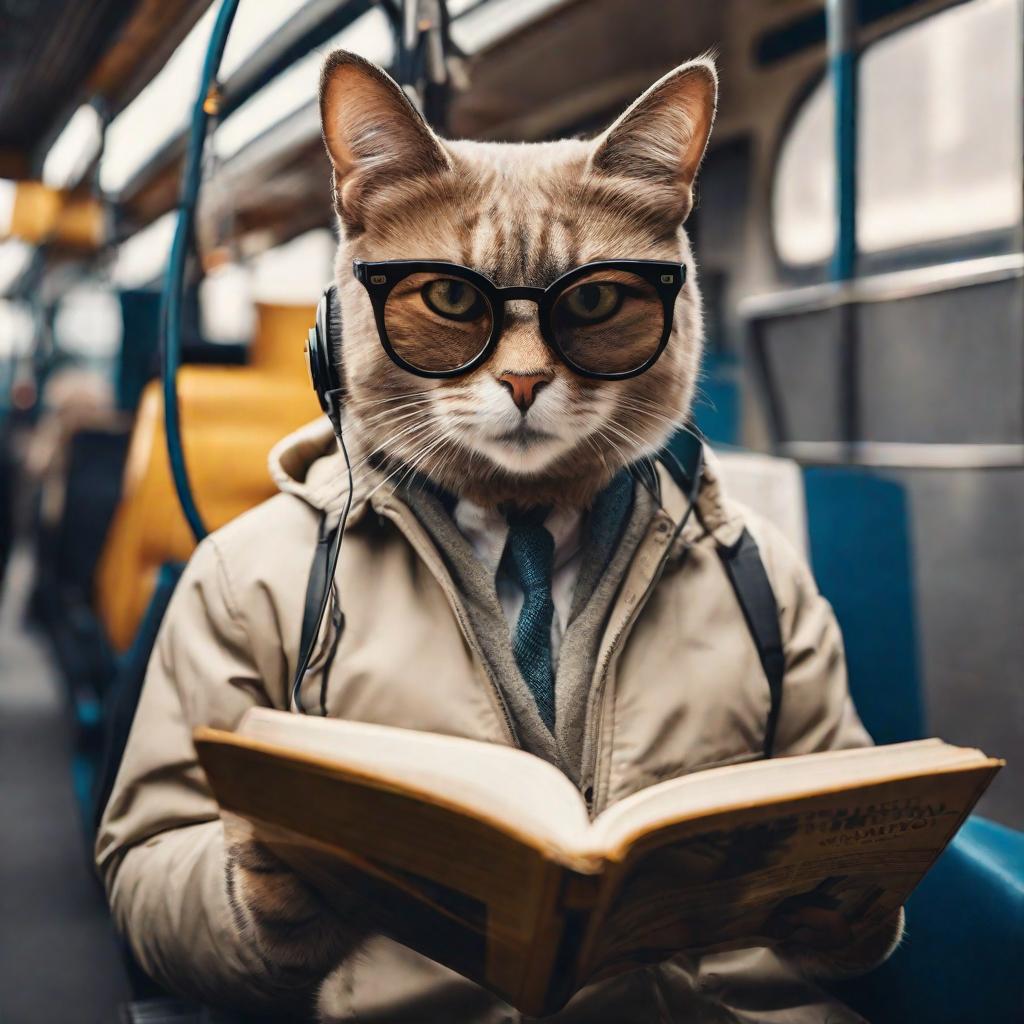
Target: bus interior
(859,233)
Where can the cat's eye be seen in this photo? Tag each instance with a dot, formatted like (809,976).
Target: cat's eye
(607,319)
(593,302)
(435,323)
(454,299)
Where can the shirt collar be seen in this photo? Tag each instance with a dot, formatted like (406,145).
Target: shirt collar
(486,530)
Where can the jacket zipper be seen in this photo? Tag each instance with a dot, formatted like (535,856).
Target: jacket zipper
(428,555)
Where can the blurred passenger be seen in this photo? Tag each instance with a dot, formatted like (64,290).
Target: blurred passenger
(75,398)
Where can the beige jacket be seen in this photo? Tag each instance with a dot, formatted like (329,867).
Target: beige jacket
(678,687)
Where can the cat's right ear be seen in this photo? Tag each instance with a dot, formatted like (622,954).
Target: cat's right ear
(373,134)
(660,140)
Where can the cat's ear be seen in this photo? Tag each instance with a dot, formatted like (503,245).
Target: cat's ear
(373,134)
(661,138)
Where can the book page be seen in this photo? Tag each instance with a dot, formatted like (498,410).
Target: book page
(464,891)
(487,778)
(770,781)
(839,863)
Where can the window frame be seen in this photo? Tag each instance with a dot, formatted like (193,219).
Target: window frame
(971,245)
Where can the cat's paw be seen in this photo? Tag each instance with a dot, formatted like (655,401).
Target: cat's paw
(826,950)
(293,927)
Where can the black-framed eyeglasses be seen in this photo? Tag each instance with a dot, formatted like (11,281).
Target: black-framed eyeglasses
(607,320)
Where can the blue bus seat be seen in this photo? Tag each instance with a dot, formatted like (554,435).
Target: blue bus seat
(862,554)
(960,960)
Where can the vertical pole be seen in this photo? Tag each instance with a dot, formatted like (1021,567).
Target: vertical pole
(842,59)
(1020,108)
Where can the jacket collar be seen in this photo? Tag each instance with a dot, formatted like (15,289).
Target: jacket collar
(715,513)
(308,465)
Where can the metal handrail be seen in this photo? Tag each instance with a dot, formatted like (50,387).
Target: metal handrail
(846,296)
(888,287)
(906,455)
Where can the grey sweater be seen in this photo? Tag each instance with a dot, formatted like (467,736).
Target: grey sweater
(616,524)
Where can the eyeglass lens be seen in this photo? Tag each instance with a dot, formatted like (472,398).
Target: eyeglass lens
(437,322)
(609,321)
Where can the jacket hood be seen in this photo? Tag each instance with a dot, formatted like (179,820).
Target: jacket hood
(308,465)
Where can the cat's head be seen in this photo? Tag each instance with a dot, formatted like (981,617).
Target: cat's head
(522,426)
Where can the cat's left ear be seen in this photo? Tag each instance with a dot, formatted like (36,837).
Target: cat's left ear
(660,140)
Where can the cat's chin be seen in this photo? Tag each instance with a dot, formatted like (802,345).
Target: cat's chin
(523,454)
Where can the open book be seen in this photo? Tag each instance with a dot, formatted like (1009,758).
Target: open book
(484,858)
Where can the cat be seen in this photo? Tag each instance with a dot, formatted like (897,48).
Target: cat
(521,214)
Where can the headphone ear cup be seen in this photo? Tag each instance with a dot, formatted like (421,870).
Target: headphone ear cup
(323,347)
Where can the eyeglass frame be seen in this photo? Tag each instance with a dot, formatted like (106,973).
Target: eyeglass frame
(380,277)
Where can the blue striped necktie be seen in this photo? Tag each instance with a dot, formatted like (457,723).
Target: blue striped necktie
(528,560)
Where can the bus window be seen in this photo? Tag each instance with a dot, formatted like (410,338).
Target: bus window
(804,184)
(936,162)
(87,324)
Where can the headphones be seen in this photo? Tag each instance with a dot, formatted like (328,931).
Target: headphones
(323,347)
(323,360)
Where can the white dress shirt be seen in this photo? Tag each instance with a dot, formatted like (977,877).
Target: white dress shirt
(486,530)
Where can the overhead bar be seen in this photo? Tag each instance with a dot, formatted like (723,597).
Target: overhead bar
(317,22)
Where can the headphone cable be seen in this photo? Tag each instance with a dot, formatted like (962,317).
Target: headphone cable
(332,565)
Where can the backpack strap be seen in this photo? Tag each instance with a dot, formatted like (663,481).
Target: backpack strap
(315,588)
(321,573)
(746,572)
(682,457)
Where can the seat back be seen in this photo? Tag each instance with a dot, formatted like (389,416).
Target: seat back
(92,488)
(772,486)
(230,419)
(279,339)
(859,526)
(854,527)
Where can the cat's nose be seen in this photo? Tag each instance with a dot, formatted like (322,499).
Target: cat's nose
(523,387)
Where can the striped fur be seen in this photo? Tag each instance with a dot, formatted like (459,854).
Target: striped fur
(284,918)
(521,214)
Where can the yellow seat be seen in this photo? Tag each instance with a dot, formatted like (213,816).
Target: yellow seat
(230,419)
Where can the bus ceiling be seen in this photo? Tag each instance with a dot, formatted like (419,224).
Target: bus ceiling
(280,168)
(57,54)
(508,99)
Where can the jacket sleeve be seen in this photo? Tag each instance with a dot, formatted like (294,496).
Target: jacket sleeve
(817,714)
(160,846)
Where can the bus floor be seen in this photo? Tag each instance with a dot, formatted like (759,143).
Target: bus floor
(59,960)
